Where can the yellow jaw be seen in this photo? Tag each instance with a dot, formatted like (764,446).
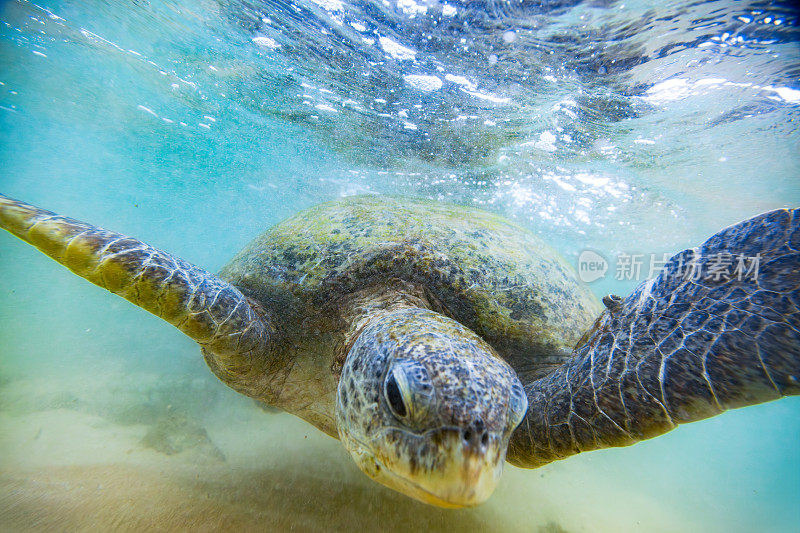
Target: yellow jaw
(462,478)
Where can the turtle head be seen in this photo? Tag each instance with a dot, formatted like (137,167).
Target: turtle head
(426,407)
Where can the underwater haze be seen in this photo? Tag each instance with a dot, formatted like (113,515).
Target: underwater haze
(622,127)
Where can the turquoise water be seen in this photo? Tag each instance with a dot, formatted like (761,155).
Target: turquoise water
(614,126)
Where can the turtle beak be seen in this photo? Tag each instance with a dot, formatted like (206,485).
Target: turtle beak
(472,469)
(465,473)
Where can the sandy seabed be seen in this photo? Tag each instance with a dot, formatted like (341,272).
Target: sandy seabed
(160,455)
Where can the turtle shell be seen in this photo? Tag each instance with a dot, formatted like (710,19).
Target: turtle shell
(495,277)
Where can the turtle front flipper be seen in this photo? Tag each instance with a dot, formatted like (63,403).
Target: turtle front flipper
(233,332)
(718,329)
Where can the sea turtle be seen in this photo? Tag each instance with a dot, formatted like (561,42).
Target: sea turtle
(437,341)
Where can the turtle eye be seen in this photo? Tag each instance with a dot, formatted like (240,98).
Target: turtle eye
(394,396)
(517,405)
(408,391)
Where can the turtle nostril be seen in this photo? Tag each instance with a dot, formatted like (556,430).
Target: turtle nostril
(474,438)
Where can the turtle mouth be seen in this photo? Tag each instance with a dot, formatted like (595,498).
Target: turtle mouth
(470,486)
(459,475)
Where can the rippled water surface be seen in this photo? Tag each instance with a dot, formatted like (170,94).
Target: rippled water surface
(616,126)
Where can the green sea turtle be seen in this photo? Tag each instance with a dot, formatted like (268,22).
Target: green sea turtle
(437,341)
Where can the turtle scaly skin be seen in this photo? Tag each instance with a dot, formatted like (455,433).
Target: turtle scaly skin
(230,329)
(451,416)
(677,349)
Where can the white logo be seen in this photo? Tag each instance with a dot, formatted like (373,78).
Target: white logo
(591,266)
